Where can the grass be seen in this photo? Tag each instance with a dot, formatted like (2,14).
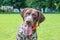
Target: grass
(48,30)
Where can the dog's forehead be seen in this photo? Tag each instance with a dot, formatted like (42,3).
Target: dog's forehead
(31,11)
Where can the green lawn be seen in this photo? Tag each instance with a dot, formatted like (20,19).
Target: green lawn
(48,30)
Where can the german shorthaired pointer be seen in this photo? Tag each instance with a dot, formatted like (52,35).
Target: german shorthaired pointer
(32,18)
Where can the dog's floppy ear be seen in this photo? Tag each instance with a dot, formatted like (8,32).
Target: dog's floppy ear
(23,11)
(41,17)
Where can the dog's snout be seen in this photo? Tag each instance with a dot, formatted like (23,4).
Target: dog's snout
(28,22)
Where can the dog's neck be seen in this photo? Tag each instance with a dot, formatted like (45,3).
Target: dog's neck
(35,26)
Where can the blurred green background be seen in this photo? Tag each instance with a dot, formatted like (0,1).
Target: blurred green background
(48,30)
(42,5)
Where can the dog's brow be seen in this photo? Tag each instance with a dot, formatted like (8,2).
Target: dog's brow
(28,11)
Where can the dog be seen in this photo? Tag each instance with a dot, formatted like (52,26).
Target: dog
(31,20)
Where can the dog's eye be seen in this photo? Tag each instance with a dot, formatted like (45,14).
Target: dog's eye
(34,16)
(28,13)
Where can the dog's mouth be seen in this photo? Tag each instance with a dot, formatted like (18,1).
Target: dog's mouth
(28,30)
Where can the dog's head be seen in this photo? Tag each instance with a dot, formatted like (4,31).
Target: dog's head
(32,16)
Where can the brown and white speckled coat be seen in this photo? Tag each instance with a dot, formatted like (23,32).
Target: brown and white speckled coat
(30,18)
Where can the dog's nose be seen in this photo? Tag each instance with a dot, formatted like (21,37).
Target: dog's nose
(28,22)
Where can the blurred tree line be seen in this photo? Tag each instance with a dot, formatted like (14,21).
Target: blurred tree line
(38,4)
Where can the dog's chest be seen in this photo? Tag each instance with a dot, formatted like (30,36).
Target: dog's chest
(22,33)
